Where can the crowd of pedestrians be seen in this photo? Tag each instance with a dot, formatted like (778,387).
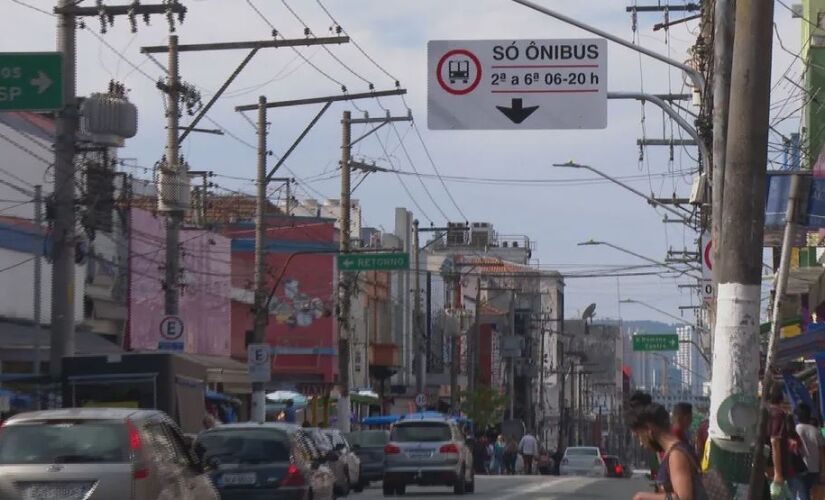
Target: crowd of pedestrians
(506,455)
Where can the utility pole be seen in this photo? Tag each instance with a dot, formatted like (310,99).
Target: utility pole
(724,14)
(258,412)
(172,179)
(455,349)
(473,337)
(344,279)
(418,337)
(63,268)
(66,126)
(736,339)
(757,475)
(38,278)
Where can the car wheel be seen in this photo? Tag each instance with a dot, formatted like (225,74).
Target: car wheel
(401,490)
(347,486)
(460,486)
(389,490)
(358,487)
(471,485)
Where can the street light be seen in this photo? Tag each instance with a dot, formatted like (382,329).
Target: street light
(680,320)
(639,256)
(651,201)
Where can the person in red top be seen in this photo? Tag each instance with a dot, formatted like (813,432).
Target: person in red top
(681,419)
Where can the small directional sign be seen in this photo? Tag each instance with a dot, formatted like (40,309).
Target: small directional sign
(374,261)
(658,342)
(31,81)
(517,84)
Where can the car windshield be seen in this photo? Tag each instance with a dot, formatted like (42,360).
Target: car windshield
(243,446)
(78,441)
(581,452)
(369,439)
(421,432)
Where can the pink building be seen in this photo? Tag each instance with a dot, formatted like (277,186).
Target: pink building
(205,306)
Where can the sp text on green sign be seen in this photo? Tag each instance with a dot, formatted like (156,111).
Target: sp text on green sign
(31,81)
(662,342)
(374,261)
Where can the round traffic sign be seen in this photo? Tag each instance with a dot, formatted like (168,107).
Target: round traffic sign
(421,400)
(171,328)
(707,255)
(458,72)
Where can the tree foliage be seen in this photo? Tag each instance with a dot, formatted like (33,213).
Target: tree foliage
(484,406)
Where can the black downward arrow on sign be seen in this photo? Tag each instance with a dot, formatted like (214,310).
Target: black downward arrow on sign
(517,113)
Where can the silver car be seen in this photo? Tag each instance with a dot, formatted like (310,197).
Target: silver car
(100,454)
(582,461)
(427,452)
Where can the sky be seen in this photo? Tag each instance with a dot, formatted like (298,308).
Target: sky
(557,208)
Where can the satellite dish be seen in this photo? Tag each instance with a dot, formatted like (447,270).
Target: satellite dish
(589,312)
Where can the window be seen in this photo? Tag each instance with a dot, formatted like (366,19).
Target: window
(369,439)
(421,432)
(79,441)
(581,452)
(245,446)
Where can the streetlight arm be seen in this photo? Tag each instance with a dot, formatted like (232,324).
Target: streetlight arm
(622,184)
(695,76)
(648,259)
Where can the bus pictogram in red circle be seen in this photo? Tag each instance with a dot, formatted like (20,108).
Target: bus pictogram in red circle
(440,76)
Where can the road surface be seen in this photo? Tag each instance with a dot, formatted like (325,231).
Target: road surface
(529,488)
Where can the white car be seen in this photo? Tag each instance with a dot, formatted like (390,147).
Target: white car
(582,461)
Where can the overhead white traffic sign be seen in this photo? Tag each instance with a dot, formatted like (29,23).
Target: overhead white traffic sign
(516,84)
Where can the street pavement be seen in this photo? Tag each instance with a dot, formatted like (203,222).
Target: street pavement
(531,488)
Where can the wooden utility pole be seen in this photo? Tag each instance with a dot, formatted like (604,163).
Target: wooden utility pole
(455,348)
(736,337)
(344,278)
(258,412)
(418,334)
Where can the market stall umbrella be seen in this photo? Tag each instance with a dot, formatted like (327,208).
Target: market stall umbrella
(298,399)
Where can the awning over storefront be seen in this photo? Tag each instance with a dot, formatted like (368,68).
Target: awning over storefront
(802,346)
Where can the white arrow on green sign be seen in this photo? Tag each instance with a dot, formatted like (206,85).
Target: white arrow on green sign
(658,342)
(392,261)
(31,81)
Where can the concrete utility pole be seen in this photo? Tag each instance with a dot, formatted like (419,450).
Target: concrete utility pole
(260,310)
(172,174)
(455,349)
(344,278)
(473,337)
(724,14)
(757,475)
(63,268)
(418,336)
(38,277)
(736,339)
(66,126)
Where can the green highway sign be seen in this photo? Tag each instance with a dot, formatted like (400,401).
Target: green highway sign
(31,81)
(373,261)
(661,342)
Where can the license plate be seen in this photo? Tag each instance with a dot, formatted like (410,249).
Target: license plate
(55,491)
(420,453)
(245,478)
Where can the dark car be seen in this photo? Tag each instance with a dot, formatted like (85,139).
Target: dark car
(614,466)
(369,446)
(255,461)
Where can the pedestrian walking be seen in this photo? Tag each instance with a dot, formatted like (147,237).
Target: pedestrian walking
(786,465)
(678,475)
(813,450)
(510,455)
(498,455)
(682,418)
(528,447)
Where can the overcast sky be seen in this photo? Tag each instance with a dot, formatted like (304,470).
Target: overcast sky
(395,34)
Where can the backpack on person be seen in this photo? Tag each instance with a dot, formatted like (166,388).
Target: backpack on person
(707,485)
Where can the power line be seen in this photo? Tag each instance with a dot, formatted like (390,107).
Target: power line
(16,265)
